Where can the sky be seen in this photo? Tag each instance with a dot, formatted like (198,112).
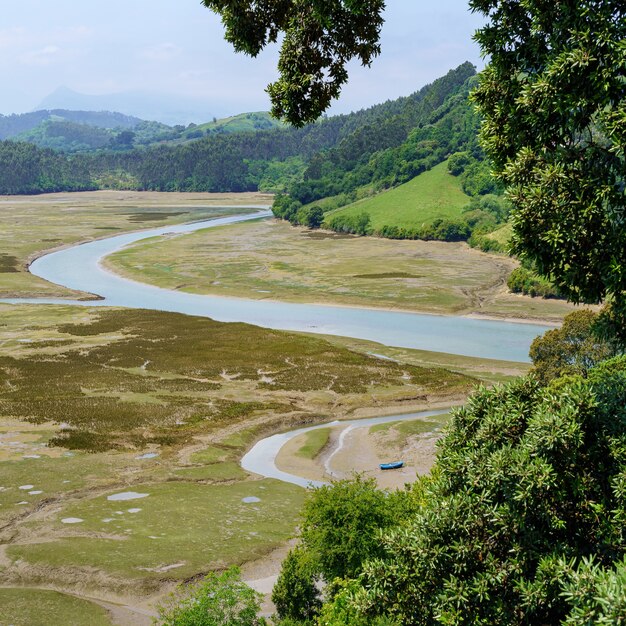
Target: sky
(174,51)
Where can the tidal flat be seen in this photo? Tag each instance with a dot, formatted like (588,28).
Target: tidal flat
(31,225)
(95,403)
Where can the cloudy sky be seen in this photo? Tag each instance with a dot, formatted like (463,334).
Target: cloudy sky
(175,49)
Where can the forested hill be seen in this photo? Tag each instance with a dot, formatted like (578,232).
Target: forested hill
(14,125)
(385,144)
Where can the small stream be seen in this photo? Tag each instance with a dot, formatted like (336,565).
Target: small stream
(261,458)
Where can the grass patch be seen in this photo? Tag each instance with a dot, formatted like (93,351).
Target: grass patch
(36,607)
(9,264)
(502,235)
(133,378)
(316,441)
(197,527)
(397,434)
(431,195)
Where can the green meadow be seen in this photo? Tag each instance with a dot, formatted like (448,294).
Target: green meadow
(431,195)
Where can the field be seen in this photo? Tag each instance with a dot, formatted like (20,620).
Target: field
(274,260)
(435,193)
(30,225)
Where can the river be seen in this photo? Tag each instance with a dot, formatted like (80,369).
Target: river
(79,267)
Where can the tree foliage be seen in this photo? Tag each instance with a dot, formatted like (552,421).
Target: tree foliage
(553,98)
(529,482)
(319,38)
(218,600)
(295,594)
(574,348)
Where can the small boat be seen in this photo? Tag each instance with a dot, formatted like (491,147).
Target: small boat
(394,465)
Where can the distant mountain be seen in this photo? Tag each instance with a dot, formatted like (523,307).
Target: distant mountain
(148,106)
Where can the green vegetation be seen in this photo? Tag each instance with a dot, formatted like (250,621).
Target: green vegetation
(431,195)
(316,441)
(35,170)
(398,434)
(528,282)
(339,532)
(573,349)
(181,528)
(155,378)
(244,122)
(218,600)
(35,607)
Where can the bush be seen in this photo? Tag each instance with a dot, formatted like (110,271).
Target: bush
(358,224)
(522,280)
(218,600)
(527,479)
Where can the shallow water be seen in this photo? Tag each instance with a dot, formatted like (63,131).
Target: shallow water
(127,495)
(79,268)
(261,459)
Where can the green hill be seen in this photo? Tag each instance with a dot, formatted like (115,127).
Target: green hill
(431,195)
(244,122)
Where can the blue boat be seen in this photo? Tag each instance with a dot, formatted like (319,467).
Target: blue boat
(394,465)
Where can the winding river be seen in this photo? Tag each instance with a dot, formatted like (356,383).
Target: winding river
(79,268)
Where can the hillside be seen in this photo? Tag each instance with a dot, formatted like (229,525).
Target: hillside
(16,124)
(376,148)
(431,195)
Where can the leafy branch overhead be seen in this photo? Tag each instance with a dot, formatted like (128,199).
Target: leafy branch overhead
(319,38)
(553,98)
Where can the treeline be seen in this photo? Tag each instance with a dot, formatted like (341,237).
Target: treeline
(27,169)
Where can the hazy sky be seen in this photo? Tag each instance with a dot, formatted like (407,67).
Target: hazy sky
(176,48)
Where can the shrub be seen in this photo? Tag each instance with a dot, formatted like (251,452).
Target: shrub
(218,600)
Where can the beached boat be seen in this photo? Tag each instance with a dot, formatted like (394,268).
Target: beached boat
(394,465)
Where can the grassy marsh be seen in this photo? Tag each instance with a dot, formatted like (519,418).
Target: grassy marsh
(274,260)
(97,402)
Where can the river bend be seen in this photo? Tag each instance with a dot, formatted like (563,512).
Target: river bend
(79,268)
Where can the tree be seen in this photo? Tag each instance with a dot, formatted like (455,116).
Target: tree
(553,99)
(295,593)
(218,600)
(529,482)
(574,348)
(315,217)
(319,39)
